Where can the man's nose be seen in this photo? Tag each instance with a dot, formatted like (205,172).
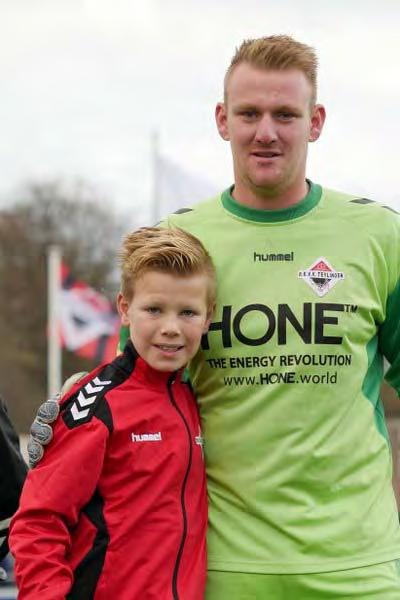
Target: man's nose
(266,130)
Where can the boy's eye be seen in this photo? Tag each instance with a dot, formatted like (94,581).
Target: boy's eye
(188,312)
(153,310)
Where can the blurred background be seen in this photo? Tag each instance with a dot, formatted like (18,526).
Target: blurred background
(106,124)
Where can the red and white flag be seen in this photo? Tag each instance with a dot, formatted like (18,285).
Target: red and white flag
(89,325)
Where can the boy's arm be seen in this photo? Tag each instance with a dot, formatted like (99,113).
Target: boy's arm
(53,496)
(12,475)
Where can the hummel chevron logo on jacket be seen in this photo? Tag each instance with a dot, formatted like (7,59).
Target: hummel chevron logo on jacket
(84,401)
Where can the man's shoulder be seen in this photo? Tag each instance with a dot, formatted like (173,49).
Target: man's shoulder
(192,214)
(359,210)
(358,203)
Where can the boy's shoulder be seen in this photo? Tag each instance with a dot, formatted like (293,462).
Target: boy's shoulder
(85,399)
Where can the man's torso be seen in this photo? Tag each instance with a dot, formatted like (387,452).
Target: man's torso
(297,454)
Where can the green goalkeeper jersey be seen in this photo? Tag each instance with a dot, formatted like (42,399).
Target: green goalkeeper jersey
(288,382)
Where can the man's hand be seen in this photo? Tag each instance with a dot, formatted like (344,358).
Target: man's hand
(41,432)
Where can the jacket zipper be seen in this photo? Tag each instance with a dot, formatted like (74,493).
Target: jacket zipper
(184,532)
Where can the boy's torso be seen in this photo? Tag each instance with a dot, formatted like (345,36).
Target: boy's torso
(142,533)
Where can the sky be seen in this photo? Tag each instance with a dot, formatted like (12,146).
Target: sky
(85,85)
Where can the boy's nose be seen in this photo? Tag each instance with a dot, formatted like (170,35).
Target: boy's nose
(170,327)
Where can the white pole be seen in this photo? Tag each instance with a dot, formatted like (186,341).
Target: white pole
(53,320)
(155,160)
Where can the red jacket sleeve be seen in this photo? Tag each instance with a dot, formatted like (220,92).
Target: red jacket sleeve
(53,495)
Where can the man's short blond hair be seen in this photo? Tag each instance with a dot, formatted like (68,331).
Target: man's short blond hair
(276,52)
(170,250)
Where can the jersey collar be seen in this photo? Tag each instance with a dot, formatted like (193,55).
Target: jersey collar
(273,216)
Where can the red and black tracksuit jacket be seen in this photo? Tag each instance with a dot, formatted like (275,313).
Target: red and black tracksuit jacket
(117,507)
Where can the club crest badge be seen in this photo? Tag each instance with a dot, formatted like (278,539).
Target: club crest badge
(321,276)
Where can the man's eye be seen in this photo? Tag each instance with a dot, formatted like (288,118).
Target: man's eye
(285,116)
(248,114)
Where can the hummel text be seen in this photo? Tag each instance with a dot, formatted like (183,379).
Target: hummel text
(281,257)
(146,437)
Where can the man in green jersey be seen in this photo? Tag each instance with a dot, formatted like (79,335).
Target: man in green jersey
(288,377)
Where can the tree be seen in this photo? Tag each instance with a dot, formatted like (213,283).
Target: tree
(89,233)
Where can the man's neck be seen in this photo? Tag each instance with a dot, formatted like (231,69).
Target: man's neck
(262,199)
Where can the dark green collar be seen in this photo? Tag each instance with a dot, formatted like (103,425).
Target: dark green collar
(273,216)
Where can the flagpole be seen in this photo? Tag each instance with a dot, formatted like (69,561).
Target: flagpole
(155,160)
(53,320)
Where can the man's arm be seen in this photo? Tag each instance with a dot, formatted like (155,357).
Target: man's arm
(389,338)
(12,475)
(389,330)
(53,496)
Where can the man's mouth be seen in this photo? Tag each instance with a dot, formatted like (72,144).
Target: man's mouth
(266,154)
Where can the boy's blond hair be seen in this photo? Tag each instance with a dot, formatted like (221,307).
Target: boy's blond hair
(169,250)
(277,52)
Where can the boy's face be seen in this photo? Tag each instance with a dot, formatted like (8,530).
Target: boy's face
(167,316)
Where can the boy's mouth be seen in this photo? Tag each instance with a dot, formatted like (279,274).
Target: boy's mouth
(169,347)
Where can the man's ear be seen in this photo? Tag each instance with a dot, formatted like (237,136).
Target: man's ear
(122,307)
(318,115)
(221,120)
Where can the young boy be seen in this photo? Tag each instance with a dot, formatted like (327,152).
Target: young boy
(117,507)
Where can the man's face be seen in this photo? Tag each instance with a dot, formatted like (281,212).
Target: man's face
(167,316)
(269,119)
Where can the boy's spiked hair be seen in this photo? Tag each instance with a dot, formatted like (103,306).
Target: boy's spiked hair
(279,52)
(170,250)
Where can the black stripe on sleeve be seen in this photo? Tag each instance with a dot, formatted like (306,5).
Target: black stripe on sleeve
(88,572)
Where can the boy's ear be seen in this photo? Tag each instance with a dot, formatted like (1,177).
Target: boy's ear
(122,307)
(209,319)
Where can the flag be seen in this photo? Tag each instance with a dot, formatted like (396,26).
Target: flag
(177,188)
(89,325)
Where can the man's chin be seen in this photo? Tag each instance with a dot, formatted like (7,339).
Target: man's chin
(269,176)
(267,186)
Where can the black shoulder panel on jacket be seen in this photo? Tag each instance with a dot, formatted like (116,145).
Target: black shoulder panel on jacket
(89,400)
